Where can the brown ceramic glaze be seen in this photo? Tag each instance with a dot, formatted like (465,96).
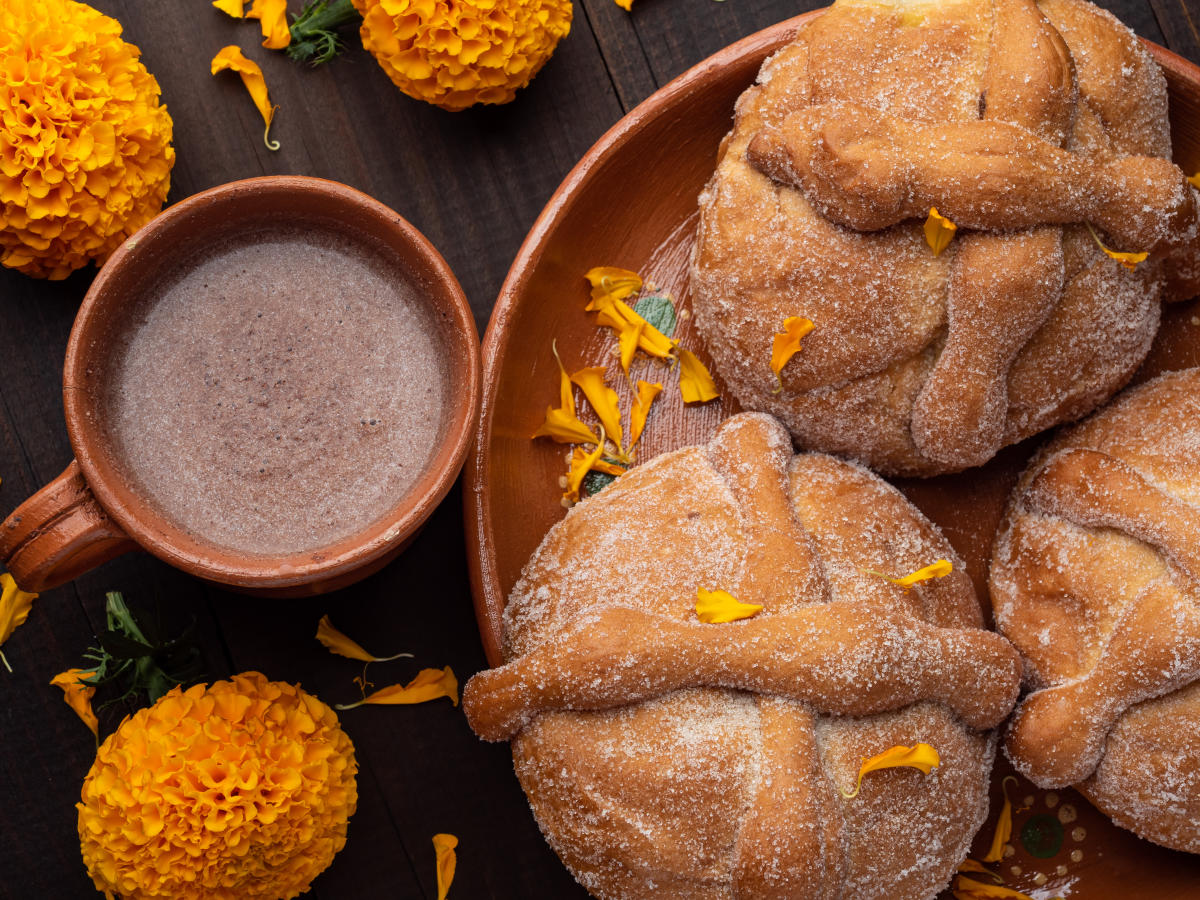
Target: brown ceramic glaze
(632,202)
(91,513)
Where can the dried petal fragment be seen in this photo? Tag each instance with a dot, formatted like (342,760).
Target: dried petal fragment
(611,283)
(14,609)
(252,77)
(971,865)
(969,889)
(603,399)
(627,341)
(272,17)
(646,394)
(939,569)
(338,643)
(78,696)
(1003,832)
(1194,180)
(447,860)
(787,344)
(718,607)
(235,8)
(563,424)
(430,684)
(921,756)
(581,463)
(695,384)
(938,231)
(1127,259)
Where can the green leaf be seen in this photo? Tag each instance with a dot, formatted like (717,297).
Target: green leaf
(659,311)
(594,482)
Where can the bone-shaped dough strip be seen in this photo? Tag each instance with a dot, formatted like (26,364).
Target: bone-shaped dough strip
(850,658)
(869,171)
(1096,490)
(1056,738)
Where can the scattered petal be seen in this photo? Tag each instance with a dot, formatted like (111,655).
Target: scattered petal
(970,889)
(939,569)
(1128,260)
(626,5)
(582,462)
(971,865)
(938,231)
(611,283)
(235,8)
(628,340)
(1003,832)
(447,860)
(718,607)
(252,77)
(338,643)
(430,684)
(787,344)
(563,424)
(603,399)
(78,695)
(646,394)
(14,609)
(1194,180)
(921,756)
(608,466)
(695,383)
(272,17)
(620,316)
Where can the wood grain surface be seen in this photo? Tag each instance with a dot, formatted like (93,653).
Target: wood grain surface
(473,182)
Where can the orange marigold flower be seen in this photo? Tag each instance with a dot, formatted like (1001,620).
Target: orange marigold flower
(455,55)
(85,145)
(241,788)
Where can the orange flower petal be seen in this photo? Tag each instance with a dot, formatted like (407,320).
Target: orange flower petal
(235,8)
(611,283)
(14,609)
(646,394)
(272,17)
(252,77)
(1128,260)
(920,756)
(939,569)
(970,865)
(1004,825)
(563,424)
(447,860)
(338,643)
(603,399)
(430,684)
(718,607)
(627,340)
(787,344)
(695,383)
(581,464)
(1194,180)
(78,696)
(938,231)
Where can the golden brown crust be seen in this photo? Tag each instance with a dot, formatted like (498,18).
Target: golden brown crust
(663,757)
(1017,120)
(1094,578)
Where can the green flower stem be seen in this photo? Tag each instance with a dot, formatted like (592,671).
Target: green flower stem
(314,31)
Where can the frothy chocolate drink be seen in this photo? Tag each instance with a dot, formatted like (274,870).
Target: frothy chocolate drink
(279,393)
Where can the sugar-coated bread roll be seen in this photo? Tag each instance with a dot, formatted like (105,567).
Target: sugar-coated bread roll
(668,758)
(1095,578)
(1028,124)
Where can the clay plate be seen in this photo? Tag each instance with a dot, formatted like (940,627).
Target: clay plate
(631,202)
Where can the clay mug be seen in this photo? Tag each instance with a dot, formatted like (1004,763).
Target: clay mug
(92,512)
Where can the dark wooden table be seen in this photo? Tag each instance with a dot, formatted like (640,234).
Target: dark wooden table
(473,182)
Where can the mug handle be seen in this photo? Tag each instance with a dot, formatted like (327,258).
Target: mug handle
(59,533)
